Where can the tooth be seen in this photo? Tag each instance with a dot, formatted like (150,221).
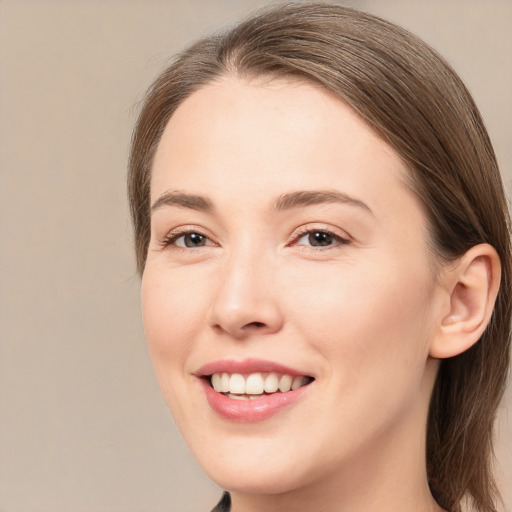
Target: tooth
(254,384)
(237,384)
(285,383)
(216,382)
(297,382)
(224,383)
(271,384)
(237,397)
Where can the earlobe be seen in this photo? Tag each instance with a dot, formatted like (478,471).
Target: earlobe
(473,285)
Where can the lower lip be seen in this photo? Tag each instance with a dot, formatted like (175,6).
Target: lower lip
(251,411)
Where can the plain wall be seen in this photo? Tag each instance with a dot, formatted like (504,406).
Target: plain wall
(83,427)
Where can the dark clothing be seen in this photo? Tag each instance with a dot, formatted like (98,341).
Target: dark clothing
(224,504)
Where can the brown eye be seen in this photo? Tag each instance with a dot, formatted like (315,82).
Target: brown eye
(319,239)
(186,239)
(191,240)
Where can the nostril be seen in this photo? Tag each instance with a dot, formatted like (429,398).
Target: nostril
(255,324)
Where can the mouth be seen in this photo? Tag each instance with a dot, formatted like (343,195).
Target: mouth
(238,386)
(252,390)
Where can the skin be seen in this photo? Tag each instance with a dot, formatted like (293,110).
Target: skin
(360,314)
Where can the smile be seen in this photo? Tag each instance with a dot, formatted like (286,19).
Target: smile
(249,387)
(251,390)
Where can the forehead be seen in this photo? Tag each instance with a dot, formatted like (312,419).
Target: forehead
(267,125)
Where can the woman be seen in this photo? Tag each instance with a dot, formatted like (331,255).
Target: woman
(324,244)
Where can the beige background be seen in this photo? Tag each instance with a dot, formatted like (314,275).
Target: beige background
(83,427)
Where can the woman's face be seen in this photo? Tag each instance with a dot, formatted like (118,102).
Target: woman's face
(286,249)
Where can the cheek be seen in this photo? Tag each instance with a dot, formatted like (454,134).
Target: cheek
(373,325)
(171,314)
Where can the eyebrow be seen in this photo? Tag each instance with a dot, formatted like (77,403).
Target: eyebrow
(311,197)
(284,202)
(183,200)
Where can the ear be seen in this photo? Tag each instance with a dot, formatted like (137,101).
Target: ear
(472,285)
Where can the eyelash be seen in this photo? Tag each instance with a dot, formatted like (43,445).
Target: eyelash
(309,230)
(171,238)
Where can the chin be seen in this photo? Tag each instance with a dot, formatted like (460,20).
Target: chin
(266,480)
(255,470)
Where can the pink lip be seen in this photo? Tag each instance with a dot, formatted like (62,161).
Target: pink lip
(245,367)
(250,411)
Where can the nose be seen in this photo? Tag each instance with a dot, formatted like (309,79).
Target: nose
(247,299)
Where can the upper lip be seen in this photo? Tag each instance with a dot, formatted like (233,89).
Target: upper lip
(247,366)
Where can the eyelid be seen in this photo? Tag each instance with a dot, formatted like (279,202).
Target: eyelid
(342,237)
(174,234)
(169,239)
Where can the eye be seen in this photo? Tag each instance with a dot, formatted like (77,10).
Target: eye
(188,239)
(320,238)
(191,240)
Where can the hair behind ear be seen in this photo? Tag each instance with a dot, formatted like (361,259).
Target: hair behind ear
(469,384)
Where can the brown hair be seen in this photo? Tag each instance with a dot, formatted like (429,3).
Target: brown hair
(413,99)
